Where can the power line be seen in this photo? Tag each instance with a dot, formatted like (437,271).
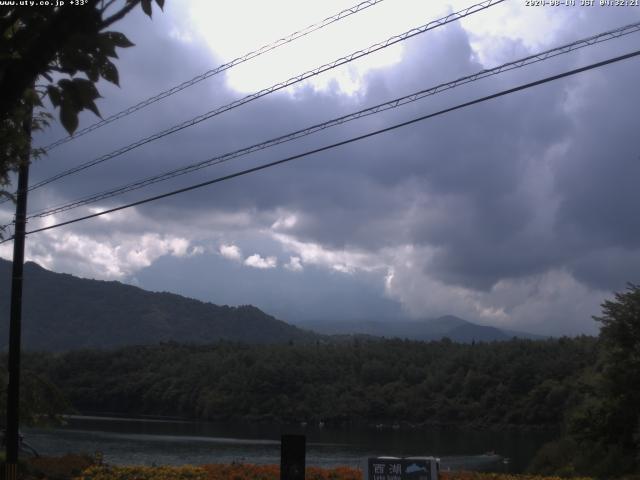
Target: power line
(5,229)
(236,61)
(279,86)
(344,142)
(529,60)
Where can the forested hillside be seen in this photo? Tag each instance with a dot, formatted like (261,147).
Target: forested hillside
(519,382)
(63,312)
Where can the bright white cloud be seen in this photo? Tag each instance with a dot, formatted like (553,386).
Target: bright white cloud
(340,260)
(217,22)
(256,261)
(552,303)
(107,257)
(115,246)
(535,28)
(232,252)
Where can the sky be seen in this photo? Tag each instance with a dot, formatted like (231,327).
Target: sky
(519,212)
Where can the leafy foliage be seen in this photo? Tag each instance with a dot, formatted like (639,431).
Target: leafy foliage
(41,402)
(620,387)
(38,44)
(603,438)
(520,382)
(15,131)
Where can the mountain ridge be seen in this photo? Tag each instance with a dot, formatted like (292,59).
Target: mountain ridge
(449,326)
(65,312)
(107,314)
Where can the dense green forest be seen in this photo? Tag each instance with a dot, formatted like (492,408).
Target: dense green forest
(520,382)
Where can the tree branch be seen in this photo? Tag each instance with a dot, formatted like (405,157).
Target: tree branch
(104,8)
(119,15)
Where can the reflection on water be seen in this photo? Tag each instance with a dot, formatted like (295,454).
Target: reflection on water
(148,442)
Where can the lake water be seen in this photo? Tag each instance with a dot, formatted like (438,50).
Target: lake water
(163,442)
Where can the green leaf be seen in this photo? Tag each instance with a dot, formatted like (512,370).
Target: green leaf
(160,4)
(106,45)
(77,55)
(69,117)
(85,94)
(78,94)
(11,30)
(85,87)
(72,61)
(31,97)
(146,7)
(93,73)
(110,73)
(54,95)
(65,84)
(118,39)
(90,105)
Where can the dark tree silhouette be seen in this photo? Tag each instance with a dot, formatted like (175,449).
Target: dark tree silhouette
(70,42)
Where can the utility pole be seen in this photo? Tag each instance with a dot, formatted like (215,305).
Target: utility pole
(15,325)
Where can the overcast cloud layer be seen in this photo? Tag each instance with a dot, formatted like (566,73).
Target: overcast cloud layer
(520,212)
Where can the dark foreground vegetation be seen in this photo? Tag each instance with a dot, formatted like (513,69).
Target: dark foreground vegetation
(520,382)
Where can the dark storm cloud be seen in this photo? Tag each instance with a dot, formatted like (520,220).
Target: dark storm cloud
(597,182)
(537,181)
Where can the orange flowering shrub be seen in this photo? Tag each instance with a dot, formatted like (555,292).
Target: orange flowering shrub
(83,467)
(337,473)
(211,472)
(105,472)
(242,472)
(272,472)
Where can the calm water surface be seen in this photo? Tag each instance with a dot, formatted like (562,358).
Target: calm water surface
(161,442)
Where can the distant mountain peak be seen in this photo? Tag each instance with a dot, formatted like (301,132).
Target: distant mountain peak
(450,326)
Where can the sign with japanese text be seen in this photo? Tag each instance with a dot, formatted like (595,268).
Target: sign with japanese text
(401,469)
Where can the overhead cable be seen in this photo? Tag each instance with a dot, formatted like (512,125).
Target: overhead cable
(218,159)
(344,142)
(210,73)
(452,17)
